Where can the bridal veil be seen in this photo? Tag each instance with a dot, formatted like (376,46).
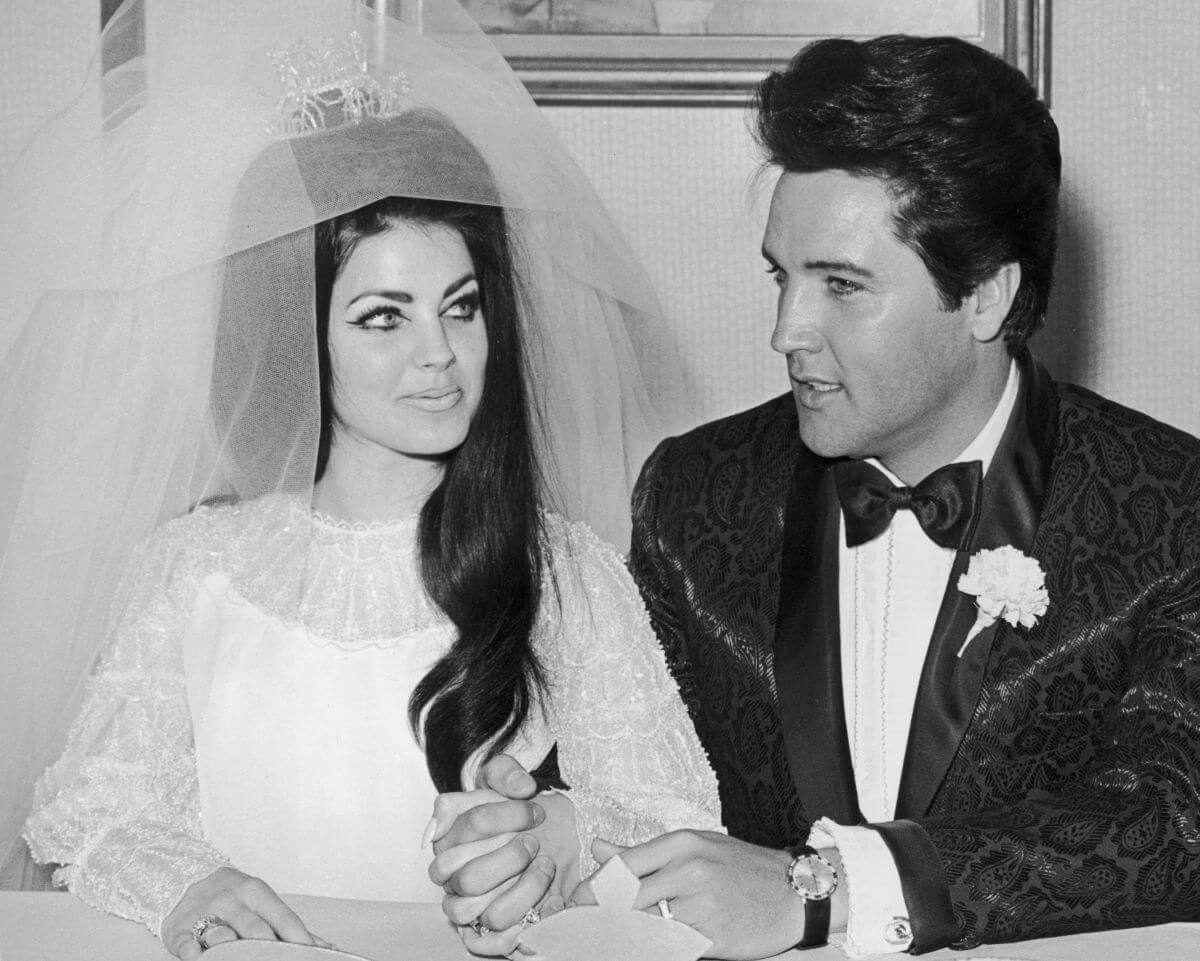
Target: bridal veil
(157,338)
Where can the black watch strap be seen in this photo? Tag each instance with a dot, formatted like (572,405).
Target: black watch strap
(816,924)
(816,913)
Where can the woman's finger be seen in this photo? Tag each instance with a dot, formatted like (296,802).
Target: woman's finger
(188,950)
(512,906)
(282,919)
(448,807)
(449,861)
(217,934)
(492,943)
(481,874)
(488,820)
(506,776)
(465,910)
(246,923)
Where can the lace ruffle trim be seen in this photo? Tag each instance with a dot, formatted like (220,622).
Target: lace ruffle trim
(347,584)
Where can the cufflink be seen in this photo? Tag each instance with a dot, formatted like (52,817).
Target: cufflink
(898,932)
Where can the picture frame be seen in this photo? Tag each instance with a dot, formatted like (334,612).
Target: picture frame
(602,52)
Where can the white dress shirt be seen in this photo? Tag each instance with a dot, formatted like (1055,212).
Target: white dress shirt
(890,590)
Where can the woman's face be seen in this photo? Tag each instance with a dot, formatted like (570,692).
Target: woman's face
(407,342)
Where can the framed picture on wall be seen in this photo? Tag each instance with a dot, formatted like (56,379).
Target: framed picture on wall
(714,51)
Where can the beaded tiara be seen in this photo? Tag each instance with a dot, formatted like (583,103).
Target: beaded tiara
(331,85)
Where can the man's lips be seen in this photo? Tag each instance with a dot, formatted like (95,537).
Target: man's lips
(815,392)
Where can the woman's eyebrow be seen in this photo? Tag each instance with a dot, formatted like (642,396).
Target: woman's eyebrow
(459,284)
(401,296)
(404,297)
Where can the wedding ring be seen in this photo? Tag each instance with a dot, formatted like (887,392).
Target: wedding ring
(532,916)
(203,923)
(664,908)
(481,930)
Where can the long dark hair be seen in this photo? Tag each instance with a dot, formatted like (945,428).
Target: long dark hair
(480,531)
(480,534)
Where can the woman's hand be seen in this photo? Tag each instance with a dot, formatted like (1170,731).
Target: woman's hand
(247,906)
(500,854)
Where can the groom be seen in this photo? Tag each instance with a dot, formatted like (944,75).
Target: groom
(979,780)
(935,615)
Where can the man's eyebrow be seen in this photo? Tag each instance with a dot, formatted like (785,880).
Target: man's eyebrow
(841,266)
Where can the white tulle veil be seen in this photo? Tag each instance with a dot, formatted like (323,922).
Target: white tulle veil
(141,373)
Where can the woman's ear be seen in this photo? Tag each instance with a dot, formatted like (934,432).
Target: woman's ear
(992,300)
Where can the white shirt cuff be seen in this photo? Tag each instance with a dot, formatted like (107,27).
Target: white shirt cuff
(877,918)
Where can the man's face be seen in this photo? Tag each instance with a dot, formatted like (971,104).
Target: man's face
(878,367)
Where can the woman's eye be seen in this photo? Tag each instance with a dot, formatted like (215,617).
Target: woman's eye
(384,317)
(465,309)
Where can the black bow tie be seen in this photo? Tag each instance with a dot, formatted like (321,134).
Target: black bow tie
(946,503)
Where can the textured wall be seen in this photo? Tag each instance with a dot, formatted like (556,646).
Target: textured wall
(44,49)
(1124,92)
(680,181)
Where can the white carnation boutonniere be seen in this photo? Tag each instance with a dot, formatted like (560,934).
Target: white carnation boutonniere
(1007,584)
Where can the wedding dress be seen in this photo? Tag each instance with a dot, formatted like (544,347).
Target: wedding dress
(251,709)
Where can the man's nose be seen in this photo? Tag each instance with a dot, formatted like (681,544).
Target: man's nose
(797,327)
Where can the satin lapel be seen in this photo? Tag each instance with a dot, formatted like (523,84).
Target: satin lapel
(808,670)
(1013,491)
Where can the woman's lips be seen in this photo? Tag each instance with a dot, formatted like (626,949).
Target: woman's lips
(434,401)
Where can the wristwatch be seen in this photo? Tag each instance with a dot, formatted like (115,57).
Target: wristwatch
(813,878)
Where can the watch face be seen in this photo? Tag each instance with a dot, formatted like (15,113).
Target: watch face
(812,877)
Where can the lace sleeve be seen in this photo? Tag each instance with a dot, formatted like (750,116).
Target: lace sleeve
(626,746)
(119,810)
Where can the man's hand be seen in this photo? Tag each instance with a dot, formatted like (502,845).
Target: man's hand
(735,894)
(247,905)
(499,853)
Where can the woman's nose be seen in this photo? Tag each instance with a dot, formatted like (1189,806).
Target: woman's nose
(434,349)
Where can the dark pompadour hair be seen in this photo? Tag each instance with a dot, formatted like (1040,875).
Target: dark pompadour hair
(967,149)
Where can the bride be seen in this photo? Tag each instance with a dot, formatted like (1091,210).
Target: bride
(346,356)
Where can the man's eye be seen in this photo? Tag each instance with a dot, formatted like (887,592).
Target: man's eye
(777,275)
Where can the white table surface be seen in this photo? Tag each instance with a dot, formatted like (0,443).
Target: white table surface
(57,927)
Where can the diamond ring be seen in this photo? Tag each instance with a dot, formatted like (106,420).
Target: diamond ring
(202,925)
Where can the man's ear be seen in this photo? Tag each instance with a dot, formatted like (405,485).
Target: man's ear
(991,301)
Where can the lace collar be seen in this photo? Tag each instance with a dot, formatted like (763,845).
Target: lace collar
(348,584)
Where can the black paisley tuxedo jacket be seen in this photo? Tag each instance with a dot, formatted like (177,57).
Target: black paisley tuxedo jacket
(1052,778)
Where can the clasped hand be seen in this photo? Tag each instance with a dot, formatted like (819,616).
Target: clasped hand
(501,853)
